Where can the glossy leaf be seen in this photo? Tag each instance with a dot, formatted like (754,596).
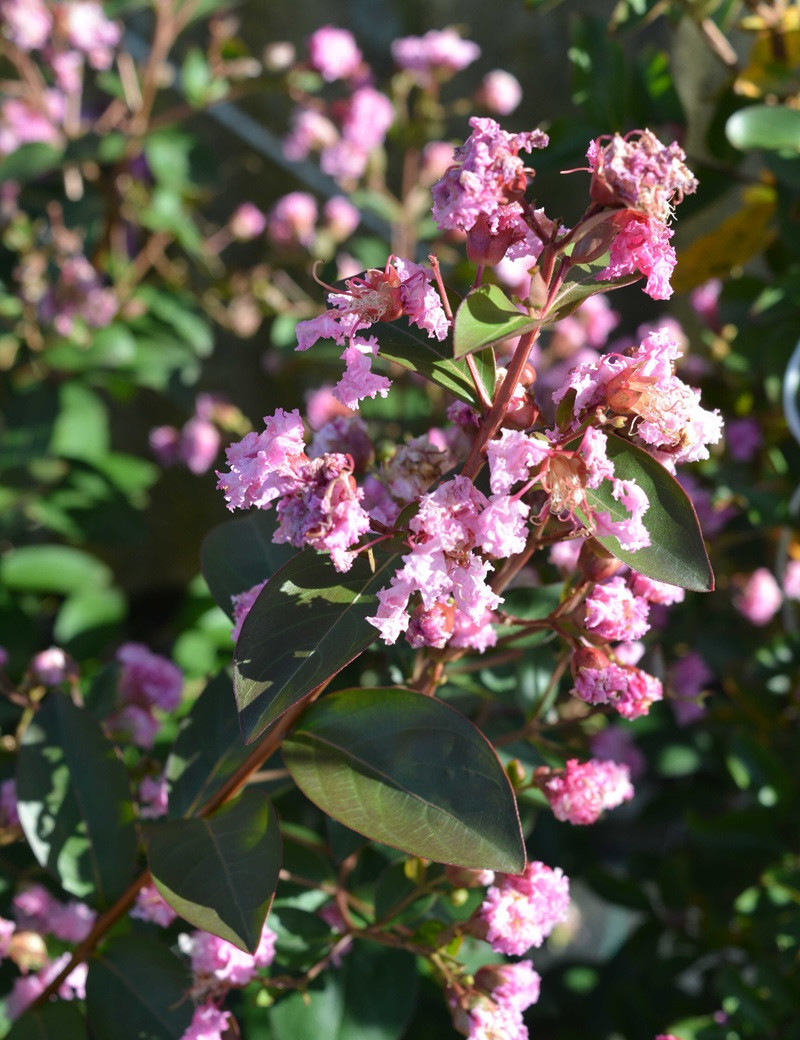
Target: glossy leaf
(411,772)
(219,872)
(426,357)
(307,624)
(59,1021)
(485,317)
(773,127)
(73,795)
(239,554)
(372,997)
(209,748)
(61,569)
(576,293)
(138,982)
(677,553)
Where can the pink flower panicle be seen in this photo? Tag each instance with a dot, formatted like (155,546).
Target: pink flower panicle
(208,1023)
(437,55)
(585,789)
(216,960)
(628,689)
(334,53)
(521,910)
(613,612)
(640,173)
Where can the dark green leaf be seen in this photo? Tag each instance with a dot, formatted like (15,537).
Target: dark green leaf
(208,750)
(427,358)
(73,795)
(486,364)
(371,998)
(61,1021)
(677,553)
(576,293)
(307,624)
(219,872)
(30,161)
(411,772)
(136,990)
(241,553)
(773,127)
(486,317)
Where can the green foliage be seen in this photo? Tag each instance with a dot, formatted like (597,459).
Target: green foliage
(409,771)
(219,872)
(50,1022)
(73,793)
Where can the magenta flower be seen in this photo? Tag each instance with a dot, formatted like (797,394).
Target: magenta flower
(27,23)
(334,53)
(499,92)
(614,613)
(247,222)
(217,959)
(585,790)
(151,906)
(759,598)
(293,219)
(521,910)
(208,1023)
(438,54)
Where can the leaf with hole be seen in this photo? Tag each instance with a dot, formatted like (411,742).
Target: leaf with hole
(411,772)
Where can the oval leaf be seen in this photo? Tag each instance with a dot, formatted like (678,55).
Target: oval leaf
(138,982)
(411,772)
(307,624)
(677,553)
(485,317)
(208,750)
(220,873)
(57,1021)
(73,794)
(773,127)
(239,554)
(576,293)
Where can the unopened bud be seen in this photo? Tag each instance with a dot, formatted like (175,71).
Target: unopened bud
(516,772)
(486,247)
(588,657)
(595,562)
(459,896)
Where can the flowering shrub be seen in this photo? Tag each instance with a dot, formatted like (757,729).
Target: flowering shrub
(451,736)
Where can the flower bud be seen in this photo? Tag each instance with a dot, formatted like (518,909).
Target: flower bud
(588,657)
(595,562)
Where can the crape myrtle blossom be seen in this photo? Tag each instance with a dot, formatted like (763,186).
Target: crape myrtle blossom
(438,54)
(27,988)
(217,963)
(584,790)
(208,1023)
(333,52)
(614,613)
(665,414)
(520,910)
(566,475)
(318,502)
(598,680)
(494,1007)
(759,597)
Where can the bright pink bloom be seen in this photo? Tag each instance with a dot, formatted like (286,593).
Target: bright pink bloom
(514,985)
(28,23)
(656,591)
(614,613)
(358,380)
(151,906)
(367,118)
(642,246)
(333,53)
(21,123)
(199,444)
(759,598)
(264,466)
(511,457)
(487,1020)
(439,53)
(431,627)
(521,910)
(216,958)
(7,929)
(487,179)
(208,1023)
(247,222)
(501,529)
(474,635)
(148,679)
(705,302)
(629,690)
(500,92)
(585,789)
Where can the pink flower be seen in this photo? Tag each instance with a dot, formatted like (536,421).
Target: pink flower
(344,435)
(21,123)
(521,910)
(341,217)
(28,23)
(628,689)
(639,173)
(311,132)
(137,724)
(27,988)
(7,929)
(613,612)
(366,120)
(514,985)
(333,53)
(208,1023)
(642,246)
(439,53)
(53,666)
(293,219)
(151,906)
(791,580)
(358,380)
(221,960)
(500,92)
(78,294)
(501,529)
(656,591)
(487,178)
(759,598)
(153,797)
(147,679)
(264,466)
(585,789)
(247,222)
(431,627)
(705,302)
(90,32)
(241,603)
(511,457)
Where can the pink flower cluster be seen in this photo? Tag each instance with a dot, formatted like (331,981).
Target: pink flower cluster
(27,988)
(196,444)
(584,790)
(36,910)
(151,906)
(665,414)
(628,689)
(520,910)
(319,503)
(208,1023)
(78,294)
(494,1008)
(219,965)
(437,55)
(759,597)
(292,221)
(147,682)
